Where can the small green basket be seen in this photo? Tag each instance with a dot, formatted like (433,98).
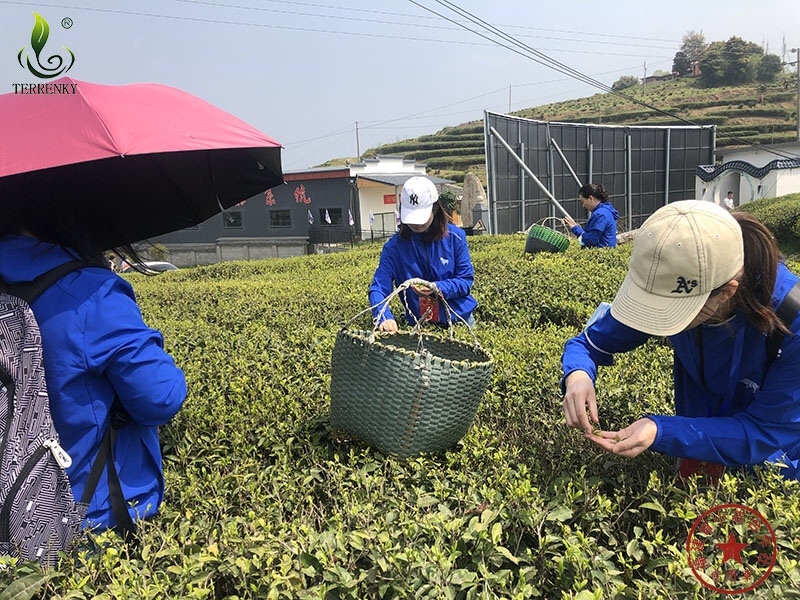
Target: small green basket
(544,239)
(406,393)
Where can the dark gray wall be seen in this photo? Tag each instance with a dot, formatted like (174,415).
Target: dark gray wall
(253,219)
(643,168)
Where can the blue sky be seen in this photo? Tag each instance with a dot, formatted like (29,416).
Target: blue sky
(306,72)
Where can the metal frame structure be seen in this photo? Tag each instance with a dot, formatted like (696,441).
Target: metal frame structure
(642,167)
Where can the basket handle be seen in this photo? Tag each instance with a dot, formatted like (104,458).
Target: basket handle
(384,304)
(543,222)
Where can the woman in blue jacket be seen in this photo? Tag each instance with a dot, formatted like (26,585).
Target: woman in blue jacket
(96,349)
(600,230)
(713,282)
(428,247)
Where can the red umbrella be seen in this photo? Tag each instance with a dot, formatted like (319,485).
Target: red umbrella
(136,160)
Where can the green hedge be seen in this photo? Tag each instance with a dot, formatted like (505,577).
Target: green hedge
(761,138)
(778,113)
(782,216)
(426,155)
(433,145)
(456,162)
(264,502)
(756,128)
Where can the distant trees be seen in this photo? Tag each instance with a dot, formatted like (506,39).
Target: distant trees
(624,82)
(769,68)
(732,62)
(713,64)
(742,60)
(681,65)
(693,45)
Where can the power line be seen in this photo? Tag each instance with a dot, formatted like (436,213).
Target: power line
(293,28)
(393,23)
(544,60)
(377,124)
(583,34)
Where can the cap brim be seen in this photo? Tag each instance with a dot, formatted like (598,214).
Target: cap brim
(654,314)
(418,216)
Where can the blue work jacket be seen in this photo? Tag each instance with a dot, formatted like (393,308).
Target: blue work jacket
(445,262)
(96,346)
(732,406)
(600,230)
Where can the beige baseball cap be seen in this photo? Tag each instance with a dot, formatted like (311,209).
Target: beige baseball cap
(682,252)
(417,198)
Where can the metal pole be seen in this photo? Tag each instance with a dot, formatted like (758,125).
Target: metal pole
(551,171)
(522,192)
(529,172)
(666,167)
(358,148)
(566,162)
(629,184)
(713,145)
(797,64)
(491,175)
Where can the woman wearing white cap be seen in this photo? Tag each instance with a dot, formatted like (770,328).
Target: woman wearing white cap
(715,284)
(428,247)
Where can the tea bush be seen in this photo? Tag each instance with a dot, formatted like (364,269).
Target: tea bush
(782,216)
(263,501)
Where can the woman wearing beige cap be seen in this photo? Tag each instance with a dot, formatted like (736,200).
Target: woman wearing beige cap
(715,284)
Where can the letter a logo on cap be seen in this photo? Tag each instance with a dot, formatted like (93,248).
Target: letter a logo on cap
(684,286)
(413,199)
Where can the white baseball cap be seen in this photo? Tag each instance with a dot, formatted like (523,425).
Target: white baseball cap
(683,252)
(416,200)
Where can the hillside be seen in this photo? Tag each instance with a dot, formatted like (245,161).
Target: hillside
(743,114)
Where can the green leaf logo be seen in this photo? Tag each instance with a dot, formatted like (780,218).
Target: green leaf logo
(53,65)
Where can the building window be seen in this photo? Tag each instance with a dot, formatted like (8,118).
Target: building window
(232,219)
(280,218)
(334,213)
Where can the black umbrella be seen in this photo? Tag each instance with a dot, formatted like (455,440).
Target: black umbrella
(135,161)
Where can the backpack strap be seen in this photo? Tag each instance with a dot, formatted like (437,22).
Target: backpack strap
(787,311)
(105,458)
(31,290)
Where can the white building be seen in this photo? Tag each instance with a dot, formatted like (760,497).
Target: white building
(751,173)
(379,181)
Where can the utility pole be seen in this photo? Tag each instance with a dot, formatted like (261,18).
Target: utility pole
(358,148)
(644,78)
(509,99)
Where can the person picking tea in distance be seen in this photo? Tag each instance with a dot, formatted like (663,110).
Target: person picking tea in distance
(600,230)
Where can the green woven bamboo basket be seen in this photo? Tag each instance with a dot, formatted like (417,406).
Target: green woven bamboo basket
(406,393)
(544,239)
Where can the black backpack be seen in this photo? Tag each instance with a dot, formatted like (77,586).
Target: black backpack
(39,516)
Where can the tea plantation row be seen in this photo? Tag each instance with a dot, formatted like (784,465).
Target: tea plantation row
(263,502)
